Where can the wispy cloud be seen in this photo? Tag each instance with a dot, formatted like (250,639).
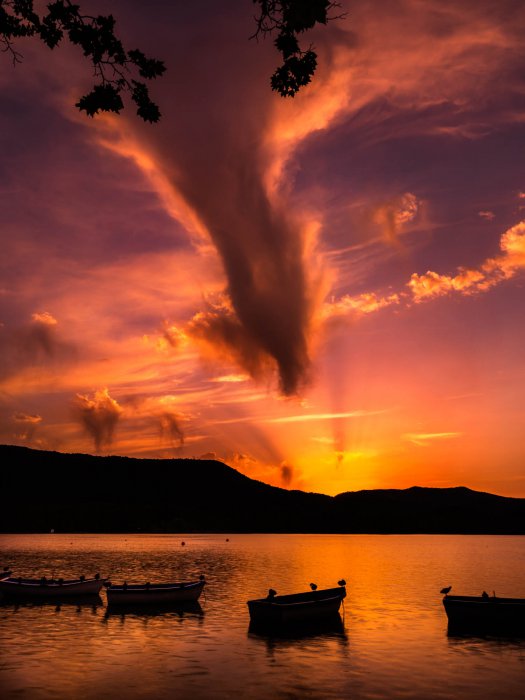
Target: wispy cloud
(423,439)
(322,416)
(470,281)
(431,285)
(361,304)
(230,378)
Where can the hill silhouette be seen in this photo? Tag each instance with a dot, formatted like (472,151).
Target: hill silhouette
(83,493)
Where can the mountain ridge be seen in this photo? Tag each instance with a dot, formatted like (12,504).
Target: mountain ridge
(71,492)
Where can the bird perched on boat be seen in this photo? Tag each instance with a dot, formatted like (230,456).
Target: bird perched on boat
(446,590)
(313,586)
(271,593)
(342,582)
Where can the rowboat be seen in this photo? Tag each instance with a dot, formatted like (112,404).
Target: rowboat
(155,593)
(42,588)
(307,607)
(485,613)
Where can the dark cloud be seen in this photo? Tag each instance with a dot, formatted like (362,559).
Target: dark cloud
(218,160)
(170,428)
(286,474)
(26,425)
(34,344)
(228,339)
(99,416)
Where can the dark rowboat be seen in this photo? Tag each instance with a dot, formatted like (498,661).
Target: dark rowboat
(485,613)
(43,589)
(298,607)
(155,593)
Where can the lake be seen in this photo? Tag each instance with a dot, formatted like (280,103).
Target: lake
(393,641)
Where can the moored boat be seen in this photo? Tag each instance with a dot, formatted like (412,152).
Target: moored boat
(44,588)
(485,613)
(155,593)
(299,608)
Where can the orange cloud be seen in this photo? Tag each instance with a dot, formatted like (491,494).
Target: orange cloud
(361,304)
(45,318)
(26,425)
(20,417)
(392,215)
(322,416)
(494,270)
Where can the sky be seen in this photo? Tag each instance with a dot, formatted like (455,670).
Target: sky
(326,293)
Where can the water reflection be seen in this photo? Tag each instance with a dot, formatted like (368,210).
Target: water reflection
(167,610)
(391,644)
(332,628)
(79,603)
(477,639)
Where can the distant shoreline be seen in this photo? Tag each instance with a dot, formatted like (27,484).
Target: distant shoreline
(78,493)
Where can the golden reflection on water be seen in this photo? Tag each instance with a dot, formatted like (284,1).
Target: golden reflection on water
(392,643)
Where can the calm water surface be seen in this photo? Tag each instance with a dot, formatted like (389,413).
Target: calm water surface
(393,642)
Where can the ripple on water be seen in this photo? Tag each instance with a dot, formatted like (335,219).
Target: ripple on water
(393,643)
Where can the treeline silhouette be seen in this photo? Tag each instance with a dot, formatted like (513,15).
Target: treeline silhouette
(82,493)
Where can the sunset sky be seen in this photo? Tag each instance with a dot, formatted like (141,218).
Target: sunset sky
(325,292)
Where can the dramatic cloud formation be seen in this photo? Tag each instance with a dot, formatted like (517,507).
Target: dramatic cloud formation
(232,191)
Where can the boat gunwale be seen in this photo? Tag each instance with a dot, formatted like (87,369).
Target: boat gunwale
(297,604)
(479,600)
(307,598)
(33,584)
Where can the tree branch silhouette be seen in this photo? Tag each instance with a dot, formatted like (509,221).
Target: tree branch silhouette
(289,19)
(115,69)
(118,70)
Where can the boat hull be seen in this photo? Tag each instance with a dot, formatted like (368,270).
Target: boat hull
(29,589)
(485,614)
(155,594)
(297,609)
